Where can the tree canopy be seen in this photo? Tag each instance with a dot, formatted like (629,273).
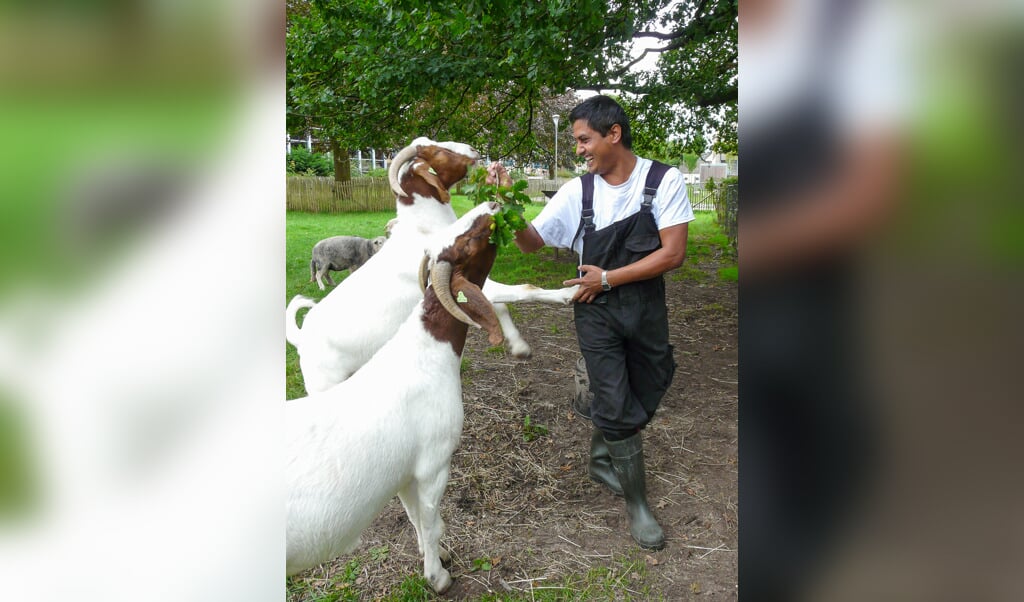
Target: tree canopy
(491,72)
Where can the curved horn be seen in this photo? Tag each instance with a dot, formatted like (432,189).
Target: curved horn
(441,274)
(423,272)
(403,157)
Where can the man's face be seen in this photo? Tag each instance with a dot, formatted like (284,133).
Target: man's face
(592,146)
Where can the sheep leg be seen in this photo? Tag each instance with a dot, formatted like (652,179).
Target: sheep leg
(514,341)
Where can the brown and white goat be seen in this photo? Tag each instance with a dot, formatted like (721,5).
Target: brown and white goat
(392,427)
(342,331)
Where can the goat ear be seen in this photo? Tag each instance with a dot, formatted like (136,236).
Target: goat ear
(472,301)
(425,171)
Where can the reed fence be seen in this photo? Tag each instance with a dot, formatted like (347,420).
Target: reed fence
(325,195)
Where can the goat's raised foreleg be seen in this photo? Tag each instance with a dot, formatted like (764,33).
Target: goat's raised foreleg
(514,341)
(497,292)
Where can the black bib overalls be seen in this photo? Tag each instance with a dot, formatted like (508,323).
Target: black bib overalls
(623,333)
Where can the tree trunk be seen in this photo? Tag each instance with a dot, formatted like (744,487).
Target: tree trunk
(342,167)
(342,171)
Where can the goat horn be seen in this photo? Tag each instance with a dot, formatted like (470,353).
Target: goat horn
(441,274)
(423,272)
(403,157)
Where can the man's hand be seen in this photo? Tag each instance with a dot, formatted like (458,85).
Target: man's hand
(496,174)
(590,284)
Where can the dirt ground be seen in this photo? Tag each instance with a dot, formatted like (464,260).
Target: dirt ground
(528,510)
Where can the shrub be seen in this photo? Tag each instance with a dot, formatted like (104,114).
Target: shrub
(301,161)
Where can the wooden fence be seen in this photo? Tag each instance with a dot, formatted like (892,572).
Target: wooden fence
(325,195)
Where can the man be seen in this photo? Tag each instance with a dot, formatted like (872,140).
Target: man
(625,247)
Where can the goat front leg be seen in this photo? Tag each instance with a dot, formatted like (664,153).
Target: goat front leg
(496,292)
(410,498)
(514,342)
(432,528)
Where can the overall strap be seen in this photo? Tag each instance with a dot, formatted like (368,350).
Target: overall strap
(654,177)
(587,216)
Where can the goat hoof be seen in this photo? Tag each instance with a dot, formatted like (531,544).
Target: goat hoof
(441,582)
(446,557)
(521,351)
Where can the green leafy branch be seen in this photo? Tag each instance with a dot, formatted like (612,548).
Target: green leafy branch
(509,218)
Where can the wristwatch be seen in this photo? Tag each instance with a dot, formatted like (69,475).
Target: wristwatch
(604,282)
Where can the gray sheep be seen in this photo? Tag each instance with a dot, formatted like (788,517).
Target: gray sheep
(341,252)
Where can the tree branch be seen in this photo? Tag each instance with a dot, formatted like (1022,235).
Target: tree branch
(696,27)
(726,95)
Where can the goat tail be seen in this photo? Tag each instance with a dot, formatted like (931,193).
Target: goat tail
(292,332)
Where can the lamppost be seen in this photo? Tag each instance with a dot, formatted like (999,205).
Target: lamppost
(555,119)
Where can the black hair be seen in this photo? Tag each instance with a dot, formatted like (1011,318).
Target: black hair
(601,113)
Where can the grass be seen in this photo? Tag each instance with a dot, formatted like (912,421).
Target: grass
(688,272)
(621,579)
(339,588)
(705,240)
(729,274)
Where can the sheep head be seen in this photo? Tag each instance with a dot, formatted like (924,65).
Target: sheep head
(457,270)
(429,168)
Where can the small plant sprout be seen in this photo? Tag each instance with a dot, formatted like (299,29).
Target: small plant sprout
(533,431)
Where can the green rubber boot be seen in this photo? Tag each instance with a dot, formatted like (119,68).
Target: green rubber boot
(600,468)
(628,462)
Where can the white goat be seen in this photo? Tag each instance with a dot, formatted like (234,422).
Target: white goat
(342,331)
(347,458)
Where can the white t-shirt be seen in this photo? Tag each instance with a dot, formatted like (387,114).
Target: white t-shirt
(560,219)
